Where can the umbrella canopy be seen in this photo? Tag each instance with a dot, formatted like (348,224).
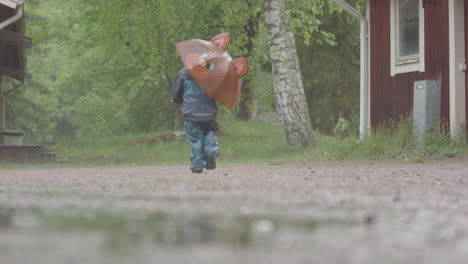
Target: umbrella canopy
(213,68)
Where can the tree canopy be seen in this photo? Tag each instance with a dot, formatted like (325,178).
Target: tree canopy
(105,67)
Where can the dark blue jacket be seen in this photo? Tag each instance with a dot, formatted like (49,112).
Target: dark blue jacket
(196,105)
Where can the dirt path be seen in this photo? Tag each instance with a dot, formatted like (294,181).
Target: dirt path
(323,212)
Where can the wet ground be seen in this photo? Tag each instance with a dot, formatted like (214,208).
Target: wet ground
(313,212)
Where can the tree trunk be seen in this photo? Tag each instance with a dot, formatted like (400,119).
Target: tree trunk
(246,101)
(290,99)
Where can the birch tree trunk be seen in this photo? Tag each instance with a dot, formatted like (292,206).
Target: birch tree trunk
(290,99)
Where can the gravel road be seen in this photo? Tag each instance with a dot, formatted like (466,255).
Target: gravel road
(382,211)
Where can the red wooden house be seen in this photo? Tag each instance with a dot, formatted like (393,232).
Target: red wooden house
(404,41)
(412,40)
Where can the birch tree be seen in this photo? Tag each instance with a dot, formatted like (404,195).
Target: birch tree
(290,99)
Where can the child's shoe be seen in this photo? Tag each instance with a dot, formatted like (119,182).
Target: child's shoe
(197,170)
(210,163)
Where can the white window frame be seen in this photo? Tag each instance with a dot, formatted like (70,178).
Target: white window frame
(408,64)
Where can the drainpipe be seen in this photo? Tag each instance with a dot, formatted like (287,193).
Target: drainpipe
(363,120)
(12,19)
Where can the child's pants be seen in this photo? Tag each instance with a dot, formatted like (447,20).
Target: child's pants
(202,138)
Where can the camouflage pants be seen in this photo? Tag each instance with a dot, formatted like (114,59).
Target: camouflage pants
(202,138)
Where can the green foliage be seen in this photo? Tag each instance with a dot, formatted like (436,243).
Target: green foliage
(305,22)
(330,69)
(396,140)
(342,128)
(393,140)
(105,67)
(265,100)
(240,142)
(439,142)
(246,142)
(102,72)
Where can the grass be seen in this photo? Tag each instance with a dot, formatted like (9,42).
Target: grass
(396,140)
(240,142)
(252,142)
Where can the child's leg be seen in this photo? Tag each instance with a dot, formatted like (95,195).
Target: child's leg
(211,149)
(194,136)
(211,145)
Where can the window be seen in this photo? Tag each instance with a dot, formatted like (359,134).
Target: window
(408,28)
(407,36)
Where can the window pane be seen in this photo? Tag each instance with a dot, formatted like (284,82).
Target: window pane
(408,27)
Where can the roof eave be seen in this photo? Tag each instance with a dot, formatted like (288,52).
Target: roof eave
(11,3)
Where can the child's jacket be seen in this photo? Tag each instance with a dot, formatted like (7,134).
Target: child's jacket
(196,105)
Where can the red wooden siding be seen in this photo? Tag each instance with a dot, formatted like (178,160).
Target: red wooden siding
(437,50)
(390,96)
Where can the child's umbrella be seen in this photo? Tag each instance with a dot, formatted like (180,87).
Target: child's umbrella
(213,68)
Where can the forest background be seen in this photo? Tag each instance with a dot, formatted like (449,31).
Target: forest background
(103,68)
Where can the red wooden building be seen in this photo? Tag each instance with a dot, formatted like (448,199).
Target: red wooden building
(412,40)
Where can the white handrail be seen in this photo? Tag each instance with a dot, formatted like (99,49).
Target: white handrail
(12,19)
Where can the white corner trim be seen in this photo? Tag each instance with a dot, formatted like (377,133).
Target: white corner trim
(392,38)
(368,17)
(457,57)
(396,67)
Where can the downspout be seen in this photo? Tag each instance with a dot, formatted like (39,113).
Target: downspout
(364,105)
(12,19)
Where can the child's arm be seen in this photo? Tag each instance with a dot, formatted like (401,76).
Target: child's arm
(177,90)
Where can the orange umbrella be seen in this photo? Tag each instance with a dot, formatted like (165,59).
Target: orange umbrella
(213,68)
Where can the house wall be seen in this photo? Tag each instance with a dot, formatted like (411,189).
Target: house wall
(12,44)
(5,12)
(390,96)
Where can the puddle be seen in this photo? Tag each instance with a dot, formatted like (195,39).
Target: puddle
(125,230)
(79,235)
(6,215)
